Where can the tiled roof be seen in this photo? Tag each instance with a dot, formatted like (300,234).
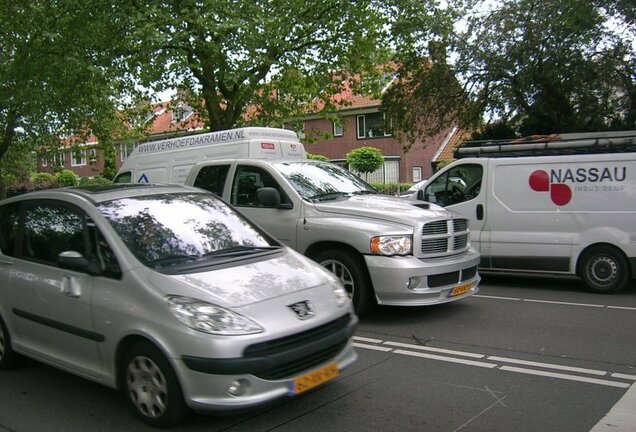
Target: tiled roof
(457,136)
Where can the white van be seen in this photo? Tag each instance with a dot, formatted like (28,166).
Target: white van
(560,205)
(170,160)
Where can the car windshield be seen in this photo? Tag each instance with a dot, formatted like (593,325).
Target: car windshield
(323,181)
(169,229)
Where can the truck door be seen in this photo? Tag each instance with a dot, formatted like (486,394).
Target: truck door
(459,188)
(279,222)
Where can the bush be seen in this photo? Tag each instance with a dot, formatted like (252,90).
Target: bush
(66,178)
(44,181)
(391,188)
(99,180)
(317,157)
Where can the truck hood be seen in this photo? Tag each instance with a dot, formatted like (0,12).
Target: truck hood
(248,282)
(386,208)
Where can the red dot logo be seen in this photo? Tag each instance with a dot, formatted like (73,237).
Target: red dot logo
(560,193)
(539,181)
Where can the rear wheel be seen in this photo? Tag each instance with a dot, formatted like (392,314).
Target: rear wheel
(604,270)
(350,269)
(151,386)
(8,357)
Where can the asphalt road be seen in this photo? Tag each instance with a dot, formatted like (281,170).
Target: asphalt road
(525,354)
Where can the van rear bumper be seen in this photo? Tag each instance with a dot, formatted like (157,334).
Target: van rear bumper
(410,281)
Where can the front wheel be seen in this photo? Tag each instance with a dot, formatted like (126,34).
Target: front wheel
(604,270)
(350,269)
(151,386)
(8,357)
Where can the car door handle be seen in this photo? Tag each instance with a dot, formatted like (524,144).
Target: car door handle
(480,212)
(71,287)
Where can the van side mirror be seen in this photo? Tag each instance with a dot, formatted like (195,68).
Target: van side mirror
(72,260)
(270,197)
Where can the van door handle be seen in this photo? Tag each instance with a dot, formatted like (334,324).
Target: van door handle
(480,212)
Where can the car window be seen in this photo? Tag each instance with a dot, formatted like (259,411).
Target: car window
(459,184)
(212,178)
(101,252)
(50,229)
(247,181)
(8,228)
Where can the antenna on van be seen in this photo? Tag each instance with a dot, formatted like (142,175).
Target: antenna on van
(556,144)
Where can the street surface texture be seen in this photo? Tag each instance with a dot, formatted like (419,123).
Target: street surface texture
(525,354)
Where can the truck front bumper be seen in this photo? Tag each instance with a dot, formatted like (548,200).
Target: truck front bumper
(411,281)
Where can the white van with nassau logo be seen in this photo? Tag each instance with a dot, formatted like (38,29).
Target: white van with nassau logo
(559,204)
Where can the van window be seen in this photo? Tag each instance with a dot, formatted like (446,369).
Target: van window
(124,177)
(247,181)
(458,184)
(212,178)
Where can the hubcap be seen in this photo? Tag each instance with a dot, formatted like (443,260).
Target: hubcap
(147,387)
(603,270)
(342,273)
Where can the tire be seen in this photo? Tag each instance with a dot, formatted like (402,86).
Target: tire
(151,387)
(8,357)
(604,270)
(350,269)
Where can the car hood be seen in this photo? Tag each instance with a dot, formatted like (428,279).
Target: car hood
(249,281)
(384,207)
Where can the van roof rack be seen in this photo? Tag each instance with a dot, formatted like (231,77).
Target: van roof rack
(556,144)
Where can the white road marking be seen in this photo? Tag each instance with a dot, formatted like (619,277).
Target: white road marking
(446,359)
(372,347)
(624,376)
(370,340)
(547,365)
(565,376)
(564,303)
(629,308)
(622,307)
(438,350)
(496,297)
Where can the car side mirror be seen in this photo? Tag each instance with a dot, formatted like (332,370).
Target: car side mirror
(73,260)
(270,197)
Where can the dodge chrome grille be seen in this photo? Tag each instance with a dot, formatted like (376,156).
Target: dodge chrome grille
(445,237)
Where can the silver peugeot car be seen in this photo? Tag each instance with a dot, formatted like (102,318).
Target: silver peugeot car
(170,295)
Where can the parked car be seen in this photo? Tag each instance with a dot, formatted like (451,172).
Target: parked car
(170,295)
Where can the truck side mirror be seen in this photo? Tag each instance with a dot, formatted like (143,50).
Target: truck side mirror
(270,197)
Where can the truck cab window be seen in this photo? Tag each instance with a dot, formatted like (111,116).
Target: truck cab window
(459,184)
(212,178)
(247,181)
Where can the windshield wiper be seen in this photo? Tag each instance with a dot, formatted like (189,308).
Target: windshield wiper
(240,250)
(171,259)
(364,192)
(328,196)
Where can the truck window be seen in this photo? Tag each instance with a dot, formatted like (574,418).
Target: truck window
(247,181)
(458,184)
(212,178)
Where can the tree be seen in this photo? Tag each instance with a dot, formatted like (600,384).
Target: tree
(536,66)
(59,75)
(365,159)
(272,55)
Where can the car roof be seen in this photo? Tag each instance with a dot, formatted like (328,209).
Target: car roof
(101,193)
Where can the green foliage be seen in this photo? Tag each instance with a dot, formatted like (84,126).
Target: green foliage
(98,180)
(391,188)
(365,159)
(317,157)
(67,178)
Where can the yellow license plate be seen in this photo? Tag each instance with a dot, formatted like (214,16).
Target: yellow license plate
(315,378)
(461,289)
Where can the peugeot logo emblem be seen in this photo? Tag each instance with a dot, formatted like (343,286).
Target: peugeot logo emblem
(304,310)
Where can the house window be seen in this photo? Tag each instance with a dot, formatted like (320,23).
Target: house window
(59,160)
(125,150)
(45,161)
(417,174)
(78,157)
(372,126)
(338,129)
(92,156)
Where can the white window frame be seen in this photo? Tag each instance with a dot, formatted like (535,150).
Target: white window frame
(417,174)
(338,129)
(361,120)
(82,154)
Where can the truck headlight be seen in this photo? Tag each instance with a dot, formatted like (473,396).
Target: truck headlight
(391,245)
(209,318)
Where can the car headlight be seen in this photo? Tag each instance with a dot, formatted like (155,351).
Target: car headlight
(391,245)
(209,318)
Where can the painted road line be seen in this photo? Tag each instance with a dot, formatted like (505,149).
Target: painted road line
(372,347)
(497,297)
(370,340)
(547,365)
(564,376)
(622,307)
(563,303)
(438,350)
(446,359)
(624,376)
